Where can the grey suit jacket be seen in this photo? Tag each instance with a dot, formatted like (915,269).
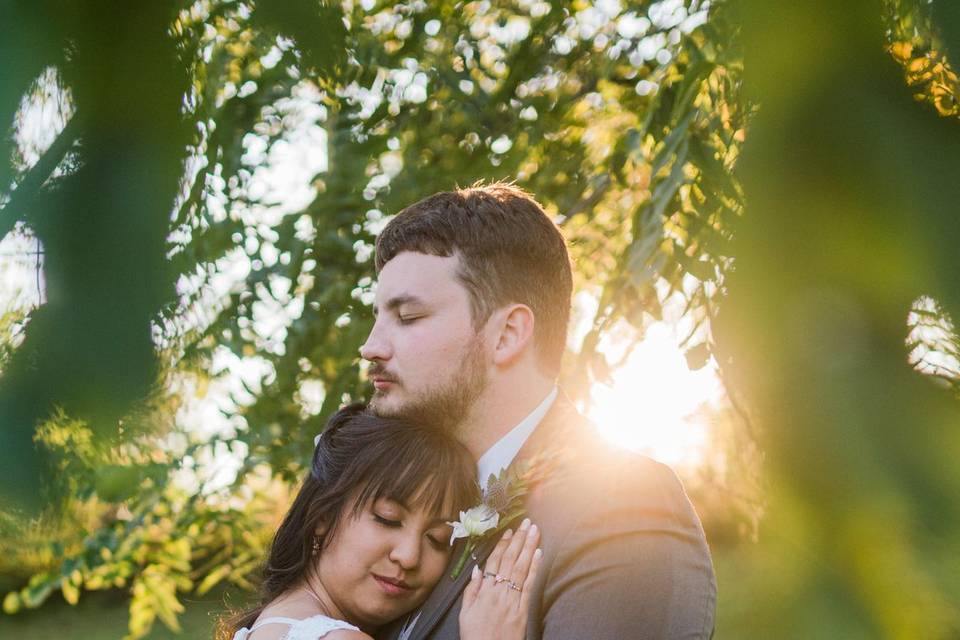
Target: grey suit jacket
(624,553)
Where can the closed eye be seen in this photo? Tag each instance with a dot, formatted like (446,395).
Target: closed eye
(409,319)
(386,521)
(439,545)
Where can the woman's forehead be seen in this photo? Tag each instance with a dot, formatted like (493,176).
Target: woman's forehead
(434,499)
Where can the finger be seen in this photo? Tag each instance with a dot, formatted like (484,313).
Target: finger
(510,554)
(529,582)
(493,560)
(522,564)
(473,587)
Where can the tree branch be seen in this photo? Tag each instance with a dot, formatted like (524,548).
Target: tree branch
(17,206)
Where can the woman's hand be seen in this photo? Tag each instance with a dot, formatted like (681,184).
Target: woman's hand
(496,602)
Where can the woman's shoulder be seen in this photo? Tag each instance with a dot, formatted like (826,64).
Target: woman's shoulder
(269,632)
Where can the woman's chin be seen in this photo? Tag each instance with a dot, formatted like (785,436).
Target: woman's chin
(384,608)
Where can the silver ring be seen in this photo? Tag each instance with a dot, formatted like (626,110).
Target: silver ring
(488,574)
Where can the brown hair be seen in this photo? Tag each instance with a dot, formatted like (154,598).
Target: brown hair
(370,457)
(510,252)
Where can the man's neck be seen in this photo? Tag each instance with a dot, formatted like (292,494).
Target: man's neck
(500,408)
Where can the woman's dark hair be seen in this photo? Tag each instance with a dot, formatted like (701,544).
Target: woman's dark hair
(361,457)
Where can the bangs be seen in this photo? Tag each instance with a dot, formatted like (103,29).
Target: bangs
(418,474)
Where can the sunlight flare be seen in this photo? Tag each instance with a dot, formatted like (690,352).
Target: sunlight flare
(655,404)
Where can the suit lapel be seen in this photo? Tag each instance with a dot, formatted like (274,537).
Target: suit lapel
(551,429)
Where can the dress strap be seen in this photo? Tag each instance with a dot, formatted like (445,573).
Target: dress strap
(274,620)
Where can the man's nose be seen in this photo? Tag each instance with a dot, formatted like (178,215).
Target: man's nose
(406,551)
(376,346)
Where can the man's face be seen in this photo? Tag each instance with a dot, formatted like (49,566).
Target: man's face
(428,363)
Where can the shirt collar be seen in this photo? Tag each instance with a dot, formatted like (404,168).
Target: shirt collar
(501,454)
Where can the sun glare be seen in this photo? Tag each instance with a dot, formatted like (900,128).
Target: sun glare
(654,403)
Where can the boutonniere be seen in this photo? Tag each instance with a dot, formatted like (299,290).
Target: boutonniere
(503,504)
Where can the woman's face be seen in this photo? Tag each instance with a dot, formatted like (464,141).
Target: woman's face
(384,562)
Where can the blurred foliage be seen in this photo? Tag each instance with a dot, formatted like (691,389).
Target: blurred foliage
(116,164)
(177,257)
(846,262)
(916,43)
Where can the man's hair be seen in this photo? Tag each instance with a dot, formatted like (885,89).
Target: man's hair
(509,250)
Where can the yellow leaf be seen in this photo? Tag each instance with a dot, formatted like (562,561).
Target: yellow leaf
(70,592)
(183,582)
(95,583)
(11,604)
(212,579)
(181,548)
(140,621)
(203,385)
(244,584)
(902,50)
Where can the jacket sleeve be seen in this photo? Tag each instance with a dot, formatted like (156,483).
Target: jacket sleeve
(634,564)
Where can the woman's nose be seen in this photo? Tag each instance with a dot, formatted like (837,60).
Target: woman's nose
(406,551)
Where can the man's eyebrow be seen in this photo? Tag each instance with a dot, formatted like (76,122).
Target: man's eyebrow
(398,301)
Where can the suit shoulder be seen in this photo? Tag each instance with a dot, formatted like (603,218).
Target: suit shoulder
(595,476)
(593,455)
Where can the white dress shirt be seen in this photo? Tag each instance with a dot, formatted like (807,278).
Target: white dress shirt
(501,454)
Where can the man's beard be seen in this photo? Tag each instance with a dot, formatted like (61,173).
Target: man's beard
(446,405)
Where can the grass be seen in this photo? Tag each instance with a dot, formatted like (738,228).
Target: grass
(103,616)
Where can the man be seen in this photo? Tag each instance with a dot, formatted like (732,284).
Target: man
(471,309)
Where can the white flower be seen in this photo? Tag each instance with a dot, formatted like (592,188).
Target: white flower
(474,522)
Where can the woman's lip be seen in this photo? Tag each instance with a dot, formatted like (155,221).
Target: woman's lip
(391,588)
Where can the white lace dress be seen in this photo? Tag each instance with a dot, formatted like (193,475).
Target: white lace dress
(311,628)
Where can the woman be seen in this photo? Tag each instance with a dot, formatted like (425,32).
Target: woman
(367,539)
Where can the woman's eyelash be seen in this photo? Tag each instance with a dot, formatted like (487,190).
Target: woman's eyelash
(386,521)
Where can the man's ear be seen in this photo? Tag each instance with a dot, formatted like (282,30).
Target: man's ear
(515,333)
